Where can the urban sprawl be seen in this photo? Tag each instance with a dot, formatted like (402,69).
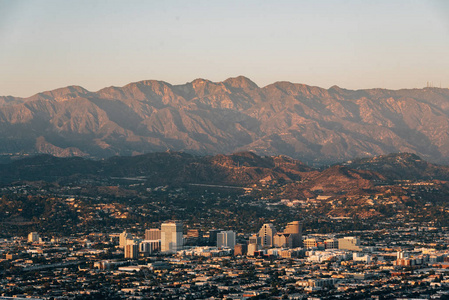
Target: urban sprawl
(172,262)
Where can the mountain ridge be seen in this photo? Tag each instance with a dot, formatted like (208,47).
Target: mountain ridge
(313,124)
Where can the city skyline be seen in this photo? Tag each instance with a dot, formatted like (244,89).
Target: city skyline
(355,45)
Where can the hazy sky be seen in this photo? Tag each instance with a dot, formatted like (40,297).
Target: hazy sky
(353,44)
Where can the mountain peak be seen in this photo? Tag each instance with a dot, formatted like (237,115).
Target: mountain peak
(241,82)
(335,88)
(200,81)
(147,83)
(69,89)
(65,93)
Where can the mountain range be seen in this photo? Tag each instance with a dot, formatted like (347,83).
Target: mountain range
(313,124)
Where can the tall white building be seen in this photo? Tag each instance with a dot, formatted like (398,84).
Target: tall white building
(124,237)
(266,233)
(171,237)
(33,237)
(226,239)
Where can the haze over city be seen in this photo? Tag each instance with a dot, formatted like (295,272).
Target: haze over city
(353,44)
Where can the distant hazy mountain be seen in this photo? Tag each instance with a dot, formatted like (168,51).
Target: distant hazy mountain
(204,117)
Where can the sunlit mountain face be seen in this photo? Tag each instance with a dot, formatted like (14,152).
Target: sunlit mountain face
(315,125)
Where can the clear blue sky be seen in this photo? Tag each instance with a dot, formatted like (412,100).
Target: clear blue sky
(353,44)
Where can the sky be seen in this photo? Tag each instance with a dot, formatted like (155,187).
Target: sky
(48,44)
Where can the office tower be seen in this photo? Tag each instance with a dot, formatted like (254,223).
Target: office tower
(266,233)
(124,236)
(226,239)
(171,237)
(150,246)
(291,237)
(132,251)
(152,234)
(283,240)
(295,230)
(213,236)
(254,239)
(33,237)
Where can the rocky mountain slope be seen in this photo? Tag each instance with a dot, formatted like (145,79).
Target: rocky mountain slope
(309,123)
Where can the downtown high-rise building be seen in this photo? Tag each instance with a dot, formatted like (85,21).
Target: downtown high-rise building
(266,233)
(149,246)
(226,239)
(213,233)
(132,250)
(123,239)
(291,237)
(152,234)
(171,237)
(33,237)
(295,230)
